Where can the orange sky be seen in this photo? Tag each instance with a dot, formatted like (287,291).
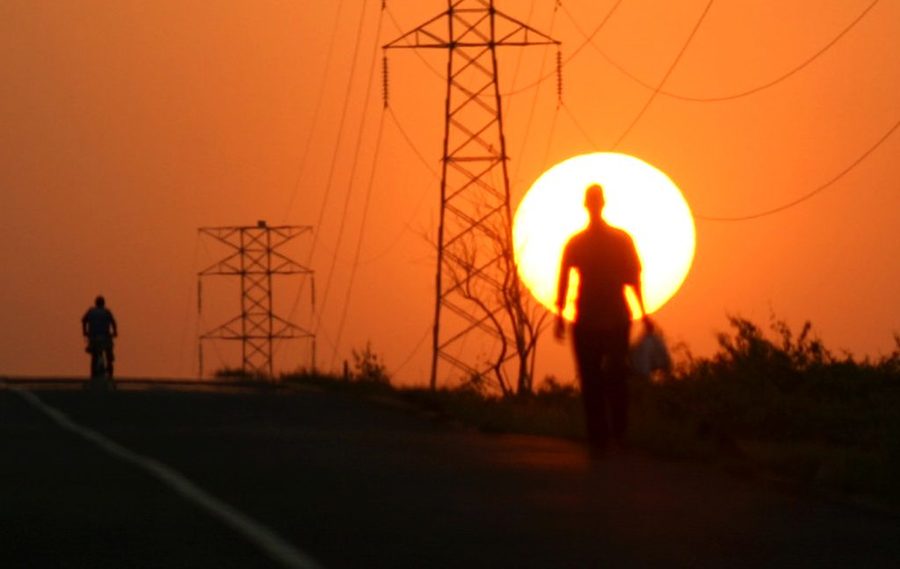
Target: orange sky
(127,125)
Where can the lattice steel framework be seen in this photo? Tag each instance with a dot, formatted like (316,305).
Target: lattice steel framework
(475,270)
(256,257)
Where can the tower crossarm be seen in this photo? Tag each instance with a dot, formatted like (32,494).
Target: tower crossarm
(230,330)
(286,330)
(258,247)
(435,32)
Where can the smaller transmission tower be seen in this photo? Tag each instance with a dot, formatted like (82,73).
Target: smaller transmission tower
(256,256)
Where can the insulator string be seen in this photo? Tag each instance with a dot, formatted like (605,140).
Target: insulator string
(559,87)
(384,80)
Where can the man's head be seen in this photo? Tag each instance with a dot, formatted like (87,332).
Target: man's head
(594,200)
(100,302)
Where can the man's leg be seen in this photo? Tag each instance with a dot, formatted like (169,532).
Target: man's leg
(109,359)
(617,380)
(94,357)
(589,360)
(94,349)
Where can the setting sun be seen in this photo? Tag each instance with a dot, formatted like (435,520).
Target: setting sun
(639,199)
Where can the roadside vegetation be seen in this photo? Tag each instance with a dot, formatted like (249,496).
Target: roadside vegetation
(771,404)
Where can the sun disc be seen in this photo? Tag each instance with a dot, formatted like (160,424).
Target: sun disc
(640,200)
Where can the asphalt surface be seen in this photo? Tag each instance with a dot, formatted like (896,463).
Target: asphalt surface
(357,483)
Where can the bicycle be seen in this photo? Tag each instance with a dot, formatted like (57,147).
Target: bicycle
(100,378)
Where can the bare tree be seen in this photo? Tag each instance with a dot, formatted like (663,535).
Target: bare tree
(485,274)
(528,318)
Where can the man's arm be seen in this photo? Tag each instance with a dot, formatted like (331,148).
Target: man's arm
(645,318)
(562,291)
(113,326)
(84,324)
(635,284)
(638,293)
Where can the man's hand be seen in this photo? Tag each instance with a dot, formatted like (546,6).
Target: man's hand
(559,330)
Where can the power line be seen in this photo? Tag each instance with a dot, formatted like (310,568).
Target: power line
(550,134)
(341,124)
(658,90)
(316,112)
(521,54)
(665,77)
(334,155)
(436,72)
(580,128)
(406,224)
(809,194)
(412,144)
(355,162)
(359,240)
(414,351)
(422,195)
(533,106)
(396,239)
(192,289)
(719,98)
(587,39)
(406,228)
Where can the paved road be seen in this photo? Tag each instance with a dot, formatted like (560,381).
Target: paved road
(360,484)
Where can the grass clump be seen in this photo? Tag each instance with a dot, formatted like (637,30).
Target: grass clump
(367,375)
(783,404)
(368,366)
(238,374)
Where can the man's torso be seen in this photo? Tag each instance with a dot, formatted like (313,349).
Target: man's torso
(606,261)
(99,322)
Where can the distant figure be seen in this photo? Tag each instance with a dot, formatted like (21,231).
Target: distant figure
(99,328)
(607,262)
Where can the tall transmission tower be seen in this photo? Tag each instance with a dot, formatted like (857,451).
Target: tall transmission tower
(475,268)
(255,255)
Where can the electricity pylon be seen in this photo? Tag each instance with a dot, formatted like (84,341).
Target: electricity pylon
(255,256)
(475,268)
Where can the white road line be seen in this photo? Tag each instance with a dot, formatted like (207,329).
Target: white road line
(259,535)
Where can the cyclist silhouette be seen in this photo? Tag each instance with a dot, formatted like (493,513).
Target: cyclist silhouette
(99,328)
(606,262)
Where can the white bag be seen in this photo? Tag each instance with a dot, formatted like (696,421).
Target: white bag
(650,354)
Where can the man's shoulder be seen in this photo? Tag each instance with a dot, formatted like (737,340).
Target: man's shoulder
(580,241)
(605,238)
(96,311)
(615,238)
(618,234)
(604,234)
(576,238)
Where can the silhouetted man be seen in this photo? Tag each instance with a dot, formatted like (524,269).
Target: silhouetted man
(607,262)
(99,328)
